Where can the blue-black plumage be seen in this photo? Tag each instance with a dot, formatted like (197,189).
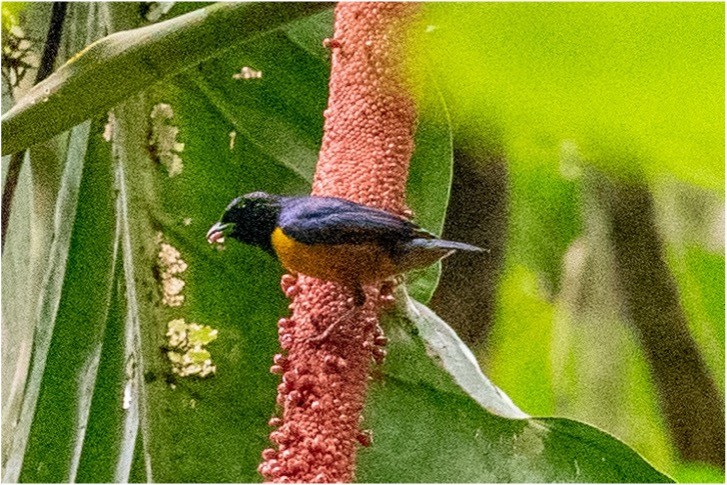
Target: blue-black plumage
(332,238)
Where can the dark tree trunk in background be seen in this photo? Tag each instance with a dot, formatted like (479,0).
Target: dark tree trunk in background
(477,214)
(690,401)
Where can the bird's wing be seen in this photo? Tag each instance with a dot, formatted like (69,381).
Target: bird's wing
(329,220)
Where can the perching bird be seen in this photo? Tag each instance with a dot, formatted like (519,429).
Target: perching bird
(332,239)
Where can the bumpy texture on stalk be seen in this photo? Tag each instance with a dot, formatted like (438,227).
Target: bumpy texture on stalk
(367,144)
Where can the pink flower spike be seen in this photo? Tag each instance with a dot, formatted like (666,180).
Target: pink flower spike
(367,143)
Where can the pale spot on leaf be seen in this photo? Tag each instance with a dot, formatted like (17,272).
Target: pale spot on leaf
(187,352)
(247,73)
(156,10)
(163,143)
(108,130)
(170,265)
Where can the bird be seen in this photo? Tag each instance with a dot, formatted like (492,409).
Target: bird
(331,238)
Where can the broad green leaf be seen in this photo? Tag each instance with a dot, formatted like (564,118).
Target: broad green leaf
(201,429)
(31,231)
(430,177)
(214,429)
(429,429)
(127,62)
(71,318)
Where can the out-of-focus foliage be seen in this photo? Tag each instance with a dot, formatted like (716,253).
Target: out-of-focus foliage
(692,224)
(574,353)
(635,91)
(637,86)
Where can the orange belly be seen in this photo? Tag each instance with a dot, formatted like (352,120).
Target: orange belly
(345,263)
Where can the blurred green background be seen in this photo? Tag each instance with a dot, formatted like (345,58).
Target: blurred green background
(589,148)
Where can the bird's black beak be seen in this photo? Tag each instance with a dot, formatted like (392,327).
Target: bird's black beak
(217,233)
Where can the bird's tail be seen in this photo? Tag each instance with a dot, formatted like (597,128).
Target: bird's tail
(421,252)
(446,245)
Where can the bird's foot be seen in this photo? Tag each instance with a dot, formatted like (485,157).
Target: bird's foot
(387,289)
(359,296)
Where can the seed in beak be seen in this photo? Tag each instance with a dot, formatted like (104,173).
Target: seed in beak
(216,237)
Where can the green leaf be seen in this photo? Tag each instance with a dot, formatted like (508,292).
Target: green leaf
(108,445)
(214,428)
(430,425)
(127,62)
(72,317)
(445,348)
(430,178)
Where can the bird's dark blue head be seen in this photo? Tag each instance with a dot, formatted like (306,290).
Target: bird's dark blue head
(250,219)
